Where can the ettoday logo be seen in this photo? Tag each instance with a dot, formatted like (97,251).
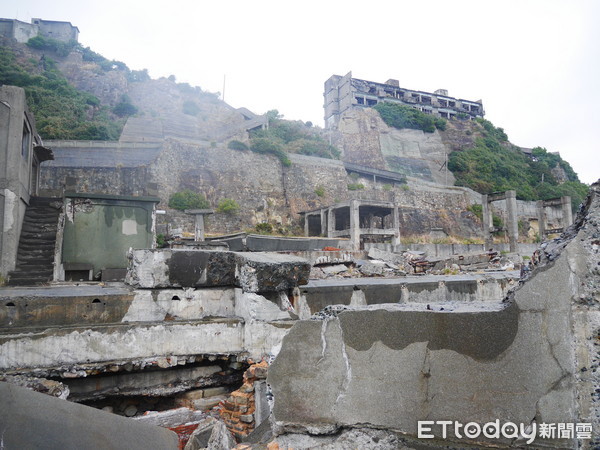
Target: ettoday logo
(508,430)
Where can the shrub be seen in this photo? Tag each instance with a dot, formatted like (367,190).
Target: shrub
(237,145)
(320,191)
(190,108)
(264,228)
(228,206)
(123,109)
(59,47)
(356,187)
(267,146)
(188,199)
(476,209)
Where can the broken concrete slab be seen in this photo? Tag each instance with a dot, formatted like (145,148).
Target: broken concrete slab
(212,434)
(268,272)
(171,417)
(333,269)
(156,382)
(33,420)
(253,272)
(382,255)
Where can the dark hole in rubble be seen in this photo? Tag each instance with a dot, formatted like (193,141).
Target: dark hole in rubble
(96,300)
(10,304)
(175,297)
(136,403)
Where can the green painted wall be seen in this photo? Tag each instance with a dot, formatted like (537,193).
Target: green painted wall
(100,230)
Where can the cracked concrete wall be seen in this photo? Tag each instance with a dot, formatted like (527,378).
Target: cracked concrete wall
(127,325)
(530,359)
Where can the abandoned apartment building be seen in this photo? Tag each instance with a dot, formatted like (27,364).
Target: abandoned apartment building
(345,92)
(201,344)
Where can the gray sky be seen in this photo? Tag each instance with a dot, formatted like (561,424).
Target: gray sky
(534,63)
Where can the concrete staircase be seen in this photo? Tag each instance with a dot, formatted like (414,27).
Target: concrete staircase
(35,256)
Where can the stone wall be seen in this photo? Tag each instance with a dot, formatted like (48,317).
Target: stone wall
(365,139)
(265,190)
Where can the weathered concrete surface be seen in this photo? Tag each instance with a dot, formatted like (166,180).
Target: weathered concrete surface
(429,289)
(62,328)
(33,420)
(529,360)
(253,272)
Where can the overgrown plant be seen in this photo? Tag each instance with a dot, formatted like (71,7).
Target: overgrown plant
(402,116)
(187,199)
(228,206)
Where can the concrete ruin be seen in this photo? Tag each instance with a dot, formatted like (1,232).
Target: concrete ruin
(529,358)
(345,92)
(23,31)
(21,153)
(356,220)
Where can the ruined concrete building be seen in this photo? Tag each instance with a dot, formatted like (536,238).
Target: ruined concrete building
(345,92)
(21,153)
(23,31)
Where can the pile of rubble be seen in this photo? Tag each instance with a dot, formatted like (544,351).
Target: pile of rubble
(381,263)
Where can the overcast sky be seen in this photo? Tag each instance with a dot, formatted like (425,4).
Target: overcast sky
(535,64)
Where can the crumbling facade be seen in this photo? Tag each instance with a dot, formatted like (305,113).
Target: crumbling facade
(21,153)
(23,31)
(345,92)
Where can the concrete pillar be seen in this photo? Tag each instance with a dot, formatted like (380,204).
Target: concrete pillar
(396,226)
(541,215)
(567,212)
(355,224)
(306,225)
(512,220)
(330,222)
(199,227)
(323,222)
(487,221)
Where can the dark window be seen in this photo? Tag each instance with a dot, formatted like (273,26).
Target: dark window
(26,142)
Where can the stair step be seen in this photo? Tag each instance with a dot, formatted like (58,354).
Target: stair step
(38,268)
(36,244)
(35,263)
(29,282)
(35,217)
(39,235)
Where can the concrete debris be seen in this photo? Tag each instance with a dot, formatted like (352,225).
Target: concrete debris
(212,434)
(171,417)
(50,387)
(253,272)
(334,269)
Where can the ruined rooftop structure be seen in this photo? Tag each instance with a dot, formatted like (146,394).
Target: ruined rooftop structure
(23,31)
(345,92)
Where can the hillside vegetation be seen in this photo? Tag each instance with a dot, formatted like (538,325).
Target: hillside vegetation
(61,111)
(494,164)
(292,137)
(402,116)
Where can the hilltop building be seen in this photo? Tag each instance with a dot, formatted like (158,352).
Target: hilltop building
(23,31)
(343,93)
